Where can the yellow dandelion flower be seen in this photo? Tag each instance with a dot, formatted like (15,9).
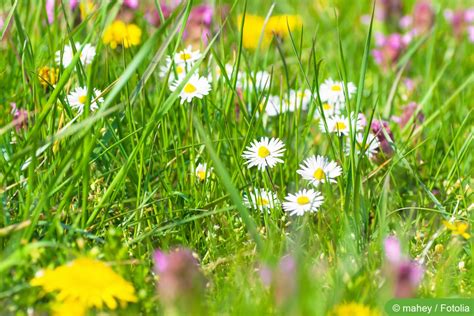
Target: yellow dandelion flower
(87,283)
(68,309)
(458,228)
(48,76)
(254,26)
(353,309)
(86,7)
(119,33)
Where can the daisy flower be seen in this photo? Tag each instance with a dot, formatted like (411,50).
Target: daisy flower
(202,171)
(339,124)
(299,99)
(196,87)
(264,153)
(371,145)
(333,91)
(319,169)
(87,283)
(77,99)
(261,199)
(176,71)
(65,57)
(329,109)
(187,56)
(259,80)
(302,202)
(274,106)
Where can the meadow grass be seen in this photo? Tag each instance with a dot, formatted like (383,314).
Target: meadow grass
(117,183)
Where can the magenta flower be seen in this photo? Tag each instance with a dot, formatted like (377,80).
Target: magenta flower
(180,279)
(462,22)
(389,49)
(380,129)
(49,6)
(407,274)
(389,11)
(281,279)
(132,4)
(20,117)
(198,27)
(423,17)
(407,114)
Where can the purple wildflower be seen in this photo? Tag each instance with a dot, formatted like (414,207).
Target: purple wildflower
(407,273)
(380,129)
(281,279)
(389,11)
(49,6)
(407,114)
(180,277)
(423,17)
(389,49)
(461,22)
(20,117)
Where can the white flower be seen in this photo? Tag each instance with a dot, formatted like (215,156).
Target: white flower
(260,81)
(333,91)
(318,169)
(176,71)
(274,106)
(77,99)
(329,109)
(87,54)
(264,153)
(202,171)
(187,56)
(196,87)
(302,202)
(371,145)
(299,100)
(218,72)
(339,124)
(261,199)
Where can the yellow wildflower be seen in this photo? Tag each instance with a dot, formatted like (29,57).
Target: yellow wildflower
(353,309)
(458,228)
(85,283)
(279,25)
(48,76)
(86,7)
(119,33)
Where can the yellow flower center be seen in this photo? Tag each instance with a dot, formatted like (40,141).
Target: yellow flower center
(262,201)
(302,200)
(82,99)
(189,88)
(201,175)
(319,174)
(179,70)
(336,88)
(327,106)
(185,56)
(263,152)
(340,126)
